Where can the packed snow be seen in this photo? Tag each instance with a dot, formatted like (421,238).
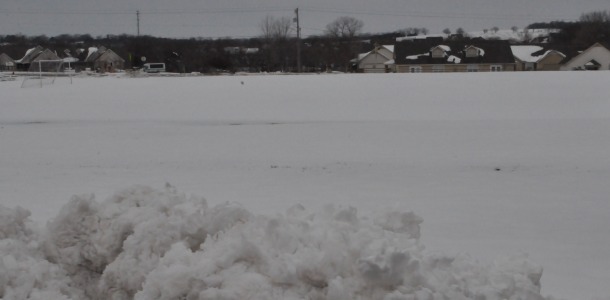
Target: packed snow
(385,186)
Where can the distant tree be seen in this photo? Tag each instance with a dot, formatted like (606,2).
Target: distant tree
(514,29)
(553,24)
(424,31)
(411,31)
(447,31)
(275,33)
(601,16)
(594,27)
(460,31)
(485,30)
(276,29)
(495,29)
(344,28)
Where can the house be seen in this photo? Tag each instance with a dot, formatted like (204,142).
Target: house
(550,60)
(104,60)
(378,60)
(596,57)
(6,63)
(469,55)
(34,55)
(537,58)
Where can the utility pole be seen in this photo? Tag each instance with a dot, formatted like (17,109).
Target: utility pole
(296,11)
(138,18)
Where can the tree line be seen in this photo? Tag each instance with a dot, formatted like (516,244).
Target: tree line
(592,27)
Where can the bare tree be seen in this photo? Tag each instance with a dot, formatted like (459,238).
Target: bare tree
(276,32)
(447,31)
(601,16)
(276,29)
(344,27)
(594,27)
(411,31)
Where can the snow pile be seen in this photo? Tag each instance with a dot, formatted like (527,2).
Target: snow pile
(144,243)
(25,272)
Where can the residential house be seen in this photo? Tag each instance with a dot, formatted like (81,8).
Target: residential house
(537,58)
(550,60)
(378,60)
(34,55)
(596,57)
(104,60)
(6,63)
(468,55)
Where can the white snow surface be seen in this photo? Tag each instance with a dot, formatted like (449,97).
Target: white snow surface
(524,52)
(314,184)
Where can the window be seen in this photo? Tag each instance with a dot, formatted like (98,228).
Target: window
(438,68)
(415,69)
(472,68)
(496,68)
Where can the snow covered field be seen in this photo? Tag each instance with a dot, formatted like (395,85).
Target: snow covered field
(496,165)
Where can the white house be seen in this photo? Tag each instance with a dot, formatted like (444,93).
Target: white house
(378,60)
(596,57)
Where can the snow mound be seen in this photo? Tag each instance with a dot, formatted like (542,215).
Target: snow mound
(144,243)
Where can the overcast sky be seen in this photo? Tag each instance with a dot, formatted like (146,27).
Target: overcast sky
(241,18)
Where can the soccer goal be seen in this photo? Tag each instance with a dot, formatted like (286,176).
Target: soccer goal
(44,72)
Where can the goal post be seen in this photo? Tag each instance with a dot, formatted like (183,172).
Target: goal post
(44,72)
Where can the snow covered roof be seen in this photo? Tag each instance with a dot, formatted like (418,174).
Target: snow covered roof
(444,47)
(30,54)
(251,50)
(454,59)
(389,47)
(416,56)
(91,51)
(70,59)
(525,53)
(361,56)
(420,37)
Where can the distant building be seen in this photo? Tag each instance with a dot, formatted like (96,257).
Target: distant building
(34,55)
(6,63)
(437,55)
(596,57)
(537,58)
(104,60)
(378,60)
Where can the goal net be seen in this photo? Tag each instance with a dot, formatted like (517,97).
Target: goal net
(44,72)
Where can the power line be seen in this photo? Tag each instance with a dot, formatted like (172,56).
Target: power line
(393,13)
(148,12)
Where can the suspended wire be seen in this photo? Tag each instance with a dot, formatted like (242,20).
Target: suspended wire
(143,11)
(393,13)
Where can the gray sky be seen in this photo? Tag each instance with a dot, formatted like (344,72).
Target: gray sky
(241,18)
